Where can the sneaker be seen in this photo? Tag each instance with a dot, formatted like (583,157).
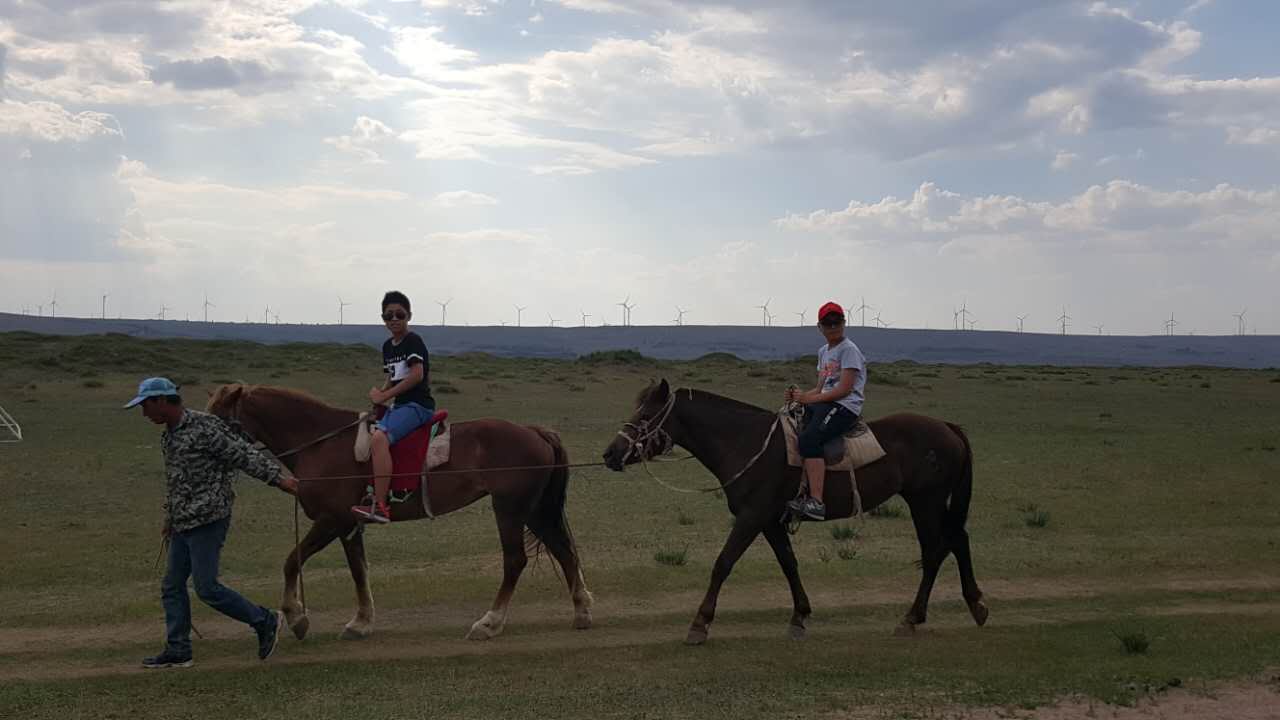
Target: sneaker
(807,509)
(373,512)
(166,659)
(269,634)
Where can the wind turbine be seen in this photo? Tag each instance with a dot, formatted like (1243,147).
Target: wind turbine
(1170,324)
(276,315)
(104,305)
(551,320)
(879,322)
(163,309)
(680,313)
(53,306)
(863,308)
(1063,319)
(444,309)
(39,311)
(955,319)
(802,313)
(973,324)
(765,316)
(626,311)
(964,313)
(1020,319)
(519,312)
(584,315)
(266,315)
(341,307)
(1098,328)
(1240,321)
(207,305)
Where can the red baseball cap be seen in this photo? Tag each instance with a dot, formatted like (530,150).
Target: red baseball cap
(829,308)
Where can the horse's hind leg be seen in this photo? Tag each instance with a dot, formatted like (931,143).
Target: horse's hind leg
(958,540)
(321,534)
(926,513)
(514,560)
(560,544)
(361,626)
(776,534)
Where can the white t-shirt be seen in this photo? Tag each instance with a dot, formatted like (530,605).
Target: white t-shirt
(834,360)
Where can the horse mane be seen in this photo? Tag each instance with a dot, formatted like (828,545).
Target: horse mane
(726,403)
(290,395)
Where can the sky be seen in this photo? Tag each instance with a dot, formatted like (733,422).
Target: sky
(1113,161)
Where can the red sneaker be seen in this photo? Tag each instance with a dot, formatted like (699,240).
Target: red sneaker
(374,512)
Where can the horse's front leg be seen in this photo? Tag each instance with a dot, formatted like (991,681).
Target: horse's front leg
(744,532)
(320,535)
(776,534)
(514,560)
(361,626)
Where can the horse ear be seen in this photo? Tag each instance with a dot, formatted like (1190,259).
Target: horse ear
(664,390)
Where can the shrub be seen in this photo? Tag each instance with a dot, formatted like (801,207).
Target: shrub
(1134,643)
(671,557)
(843,532)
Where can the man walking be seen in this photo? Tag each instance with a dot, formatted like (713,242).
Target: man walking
(201,456)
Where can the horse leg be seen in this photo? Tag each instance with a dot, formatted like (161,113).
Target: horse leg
(361,626)
(511,533)
(778,539)
(561,546)
(926,514)
(319,536)
(744,532)
(958,540)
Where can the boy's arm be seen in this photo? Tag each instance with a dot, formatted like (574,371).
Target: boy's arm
(414,377)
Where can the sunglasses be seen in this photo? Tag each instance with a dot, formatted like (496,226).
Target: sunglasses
(832,323)
(397,315)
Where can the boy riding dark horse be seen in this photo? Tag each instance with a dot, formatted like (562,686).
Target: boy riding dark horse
(831,409)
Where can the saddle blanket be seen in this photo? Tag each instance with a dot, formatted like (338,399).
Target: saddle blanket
(861,446)
(412,457)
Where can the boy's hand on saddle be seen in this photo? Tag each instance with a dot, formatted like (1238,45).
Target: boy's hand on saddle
(289,484)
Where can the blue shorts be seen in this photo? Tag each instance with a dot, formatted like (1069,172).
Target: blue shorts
(404,419)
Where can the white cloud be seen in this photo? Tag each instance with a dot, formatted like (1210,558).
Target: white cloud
(1253,136)
(1063,160)
(50,122)
(462,198)
(366,134)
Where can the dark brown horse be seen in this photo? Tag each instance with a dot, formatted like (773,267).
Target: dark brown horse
(531,499)
(929,463)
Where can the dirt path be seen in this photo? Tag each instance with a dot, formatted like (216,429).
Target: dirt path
(1254,700)
(437,631)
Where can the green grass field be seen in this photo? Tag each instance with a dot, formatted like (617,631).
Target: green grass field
(1107,503)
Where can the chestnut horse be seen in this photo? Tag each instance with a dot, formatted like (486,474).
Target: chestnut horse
(929,463)
(532,498)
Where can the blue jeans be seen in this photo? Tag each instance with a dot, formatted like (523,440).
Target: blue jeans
(404,419)
(194,553)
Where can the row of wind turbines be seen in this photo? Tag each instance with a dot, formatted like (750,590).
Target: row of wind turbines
(962,318)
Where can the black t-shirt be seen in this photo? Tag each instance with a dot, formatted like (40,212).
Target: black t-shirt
(396,361)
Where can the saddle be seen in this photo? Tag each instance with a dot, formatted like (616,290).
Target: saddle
(412,457)
(853,450)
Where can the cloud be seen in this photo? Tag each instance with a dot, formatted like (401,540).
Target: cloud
(462,198)
(366,134)
(1253,136)
(219,73)
(1120,214)
(1063,160)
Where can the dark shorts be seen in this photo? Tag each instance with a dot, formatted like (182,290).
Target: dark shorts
(822,422)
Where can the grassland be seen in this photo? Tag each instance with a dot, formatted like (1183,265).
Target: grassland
(1109,504)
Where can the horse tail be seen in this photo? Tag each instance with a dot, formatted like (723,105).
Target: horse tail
(548,523)
(962,492)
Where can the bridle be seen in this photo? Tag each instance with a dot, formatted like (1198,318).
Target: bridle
(648,438)
(237,427)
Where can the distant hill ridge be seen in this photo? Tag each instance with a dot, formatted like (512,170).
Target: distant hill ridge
(749,343)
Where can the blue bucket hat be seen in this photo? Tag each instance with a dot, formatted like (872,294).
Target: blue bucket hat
(153,387)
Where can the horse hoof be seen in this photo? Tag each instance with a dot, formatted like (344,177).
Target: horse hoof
(696,637)
(979,612)
(301,627)
(796,632)
(582,622)
(350,633)
(905,629)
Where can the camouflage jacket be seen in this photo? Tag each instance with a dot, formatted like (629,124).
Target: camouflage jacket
(201,457)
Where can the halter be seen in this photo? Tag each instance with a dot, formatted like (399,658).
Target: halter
(650,439)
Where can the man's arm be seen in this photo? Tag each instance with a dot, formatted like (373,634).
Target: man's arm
(232,451)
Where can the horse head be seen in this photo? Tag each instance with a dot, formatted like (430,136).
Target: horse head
(647,433)
(227,403)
